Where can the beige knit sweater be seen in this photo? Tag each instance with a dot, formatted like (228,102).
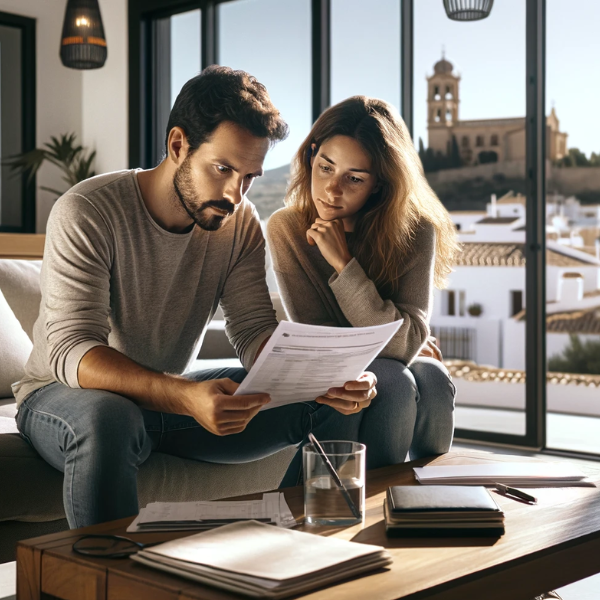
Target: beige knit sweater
(312,291)
(113,277)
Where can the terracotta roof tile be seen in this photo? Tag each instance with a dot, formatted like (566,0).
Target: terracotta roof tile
(470,371)
(579,321)
(492,254)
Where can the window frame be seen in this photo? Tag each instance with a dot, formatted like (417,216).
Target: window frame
(142,11)
(28,116)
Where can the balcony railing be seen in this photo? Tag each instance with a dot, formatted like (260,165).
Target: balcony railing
(456,342)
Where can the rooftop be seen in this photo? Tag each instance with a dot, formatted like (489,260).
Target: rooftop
(496,254)
(497,220)
(471,371)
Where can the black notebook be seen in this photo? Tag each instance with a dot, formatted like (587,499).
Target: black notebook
(442,511)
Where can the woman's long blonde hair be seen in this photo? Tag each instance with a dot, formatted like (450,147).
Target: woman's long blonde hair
(390,219)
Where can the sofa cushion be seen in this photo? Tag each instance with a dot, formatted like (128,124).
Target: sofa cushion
(15,348)
(36,488)
(20,284)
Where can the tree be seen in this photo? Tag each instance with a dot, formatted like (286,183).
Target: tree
(574,158)
(577,357)
(455,158)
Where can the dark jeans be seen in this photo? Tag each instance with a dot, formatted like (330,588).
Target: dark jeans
(99,439)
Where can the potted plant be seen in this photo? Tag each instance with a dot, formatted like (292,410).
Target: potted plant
(475,309)
(72,159)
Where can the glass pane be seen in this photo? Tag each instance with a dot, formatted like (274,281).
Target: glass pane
(470,130)
(177,58)
(573,226)
(185,49)
(11,124)
(365,50)
(271,39)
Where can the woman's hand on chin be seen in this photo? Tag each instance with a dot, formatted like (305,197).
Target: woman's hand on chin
(353,397)
(330,237)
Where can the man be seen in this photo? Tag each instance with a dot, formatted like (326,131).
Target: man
(135,265)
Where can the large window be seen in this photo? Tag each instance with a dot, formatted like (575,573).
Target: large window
(573,226)
(17,119)
(473,94)
(466,102)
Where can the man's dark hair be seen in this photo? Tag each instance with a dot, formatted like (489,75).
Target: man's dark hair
(221,94)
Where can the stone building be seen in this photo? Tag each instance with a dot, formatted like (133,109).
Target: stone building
(479,140)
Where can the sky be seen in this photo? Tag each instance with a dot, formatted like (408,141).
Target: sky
(271,40)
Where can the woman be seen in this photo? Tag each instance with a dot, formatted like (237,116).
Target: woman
(362,241)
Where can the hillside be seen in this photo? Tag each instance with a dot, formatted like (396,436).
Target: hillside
(267,192)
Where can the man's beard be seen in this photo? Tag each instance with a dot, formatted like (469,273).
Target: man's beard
(197,210)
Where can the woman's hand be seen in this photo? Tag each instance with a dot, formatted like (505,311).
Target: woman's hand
(330,237)
(353,397)
(431,350)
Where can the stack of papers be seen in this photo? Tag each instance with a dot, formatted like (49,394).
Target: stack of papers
(176,516)
(518,474)
(442,511)
(257,560)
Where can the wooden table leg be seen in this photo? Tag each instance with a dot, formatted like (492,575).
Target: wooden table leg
(29,573)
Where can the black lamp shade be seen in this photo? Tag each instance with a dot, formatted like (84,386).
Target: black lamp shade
(468,10)
(83,45)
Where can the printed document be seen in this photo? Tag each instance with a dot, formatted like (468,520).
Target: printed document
(175,516)
(301,362)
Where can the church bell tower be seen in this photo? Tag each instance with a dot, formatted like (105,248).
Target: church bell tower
(442,105)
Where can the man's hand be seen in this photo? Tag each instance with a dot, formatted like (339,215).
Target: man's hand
(353,397)
(214,406)
(330,237)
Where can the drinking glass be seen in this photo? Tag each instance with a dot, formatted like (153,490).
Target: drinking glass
(325,503)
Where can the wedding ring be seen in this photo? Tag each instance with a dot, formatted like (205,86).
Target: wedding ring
(356,407)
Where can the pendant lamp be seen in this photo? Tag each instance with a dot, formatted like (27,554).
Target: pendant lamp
(83,45)
(468,10)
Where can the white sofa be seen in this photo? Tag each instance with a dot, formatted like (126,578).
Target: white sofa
(31,490)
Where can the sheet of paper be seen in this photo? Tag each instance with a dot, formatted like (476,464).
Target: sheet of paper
(160,512)
(173,516)
(301,362)
(536,470)
(538,474)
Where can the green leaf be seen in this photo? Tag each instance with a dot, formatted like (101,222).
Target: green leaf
(64,153)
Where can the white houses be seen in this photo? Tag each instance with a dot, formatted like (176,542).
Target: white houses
(480,316)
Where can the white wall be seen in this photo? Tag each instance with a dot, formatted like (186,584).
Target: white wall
(567,399)
(105,94)
(488,286)
(91,104)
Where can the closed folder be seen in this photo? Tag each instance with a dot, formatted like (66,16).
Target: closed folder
(442,511)
(440,498)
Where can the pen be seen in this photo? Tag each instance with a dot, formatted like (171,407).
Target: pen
(334,475)
(515,493)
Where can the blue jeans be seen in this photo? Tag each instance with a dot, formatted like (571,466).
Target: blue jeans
(99,439)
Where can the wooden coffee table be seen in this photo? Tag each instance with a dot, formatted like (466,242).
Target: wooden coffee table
(546,546)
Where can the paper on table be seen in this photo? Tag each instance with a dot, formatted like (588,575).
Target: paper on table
(523,474)
(167,516)
(301,362)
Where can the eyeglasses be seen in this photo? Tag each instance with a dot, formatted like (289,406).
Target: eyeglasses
(107,546)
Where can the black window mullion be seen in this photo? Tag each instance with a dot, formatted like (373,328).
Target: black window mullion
(535,234)
(321,56)
(210,34)
(160,100)
(406,62)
